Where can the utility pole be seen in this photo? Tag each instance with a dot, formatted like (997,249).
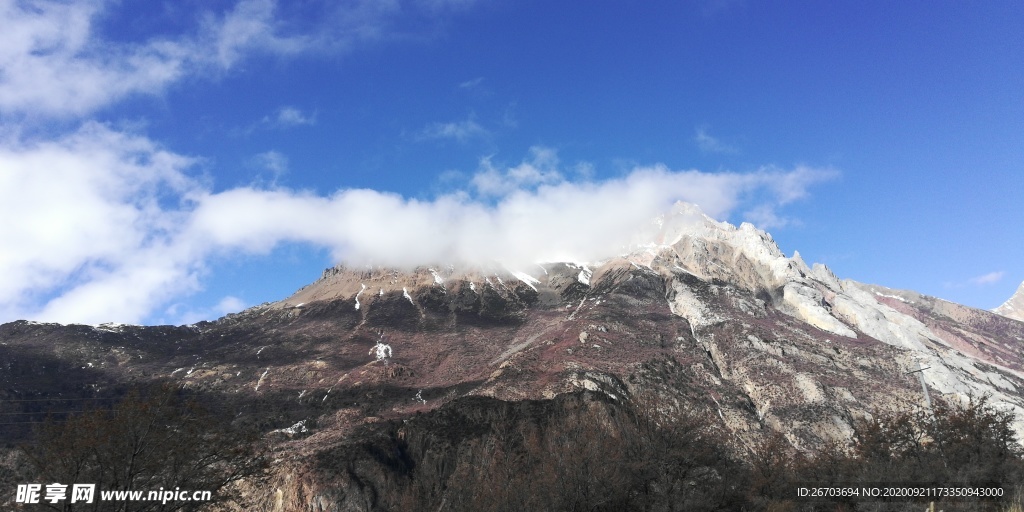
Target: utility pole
(928,402)
(924,387)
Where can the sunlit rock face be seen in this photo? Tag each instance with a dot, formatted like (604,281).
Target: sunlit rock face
(1014,306)
(706,314)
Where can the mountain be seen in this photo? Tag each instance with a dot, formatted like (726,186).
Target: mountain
(1014,306)
(708,317)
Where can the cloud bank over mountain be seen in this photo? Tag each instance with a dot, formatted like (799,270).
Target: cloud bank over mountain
(111,225)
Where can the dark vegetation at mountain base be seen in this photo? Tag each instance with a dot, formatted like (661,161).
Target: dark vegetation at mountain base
(967,444)
(582,451)
(587,452)
(154,438)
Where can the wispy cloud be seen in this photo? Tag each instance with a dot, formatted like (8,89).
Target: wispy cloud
(472,84)
(766,216)
(250,27)
(272,161)
(541,168)
(982,280)
(180,314)
(284,118)
(272,166)
(990,278)
(460,131)
(288,117)
(709,144)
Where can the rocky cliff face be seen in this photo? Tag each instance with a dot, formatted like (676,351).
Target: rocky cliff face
(711,317)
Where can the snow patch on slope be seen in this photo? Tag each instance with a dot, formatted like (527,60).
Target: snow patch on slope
(112,327)
(361,290)
(526,278)
(897,297)
(260,381)
(585,275)
(298,428)
(437,278)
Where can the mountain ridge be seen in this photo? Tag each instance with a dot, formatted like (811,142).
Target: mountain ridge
(714,317)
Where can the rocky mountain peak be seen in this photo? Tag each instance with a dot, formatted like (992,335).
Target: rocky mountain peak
(1014,306)
(688,220)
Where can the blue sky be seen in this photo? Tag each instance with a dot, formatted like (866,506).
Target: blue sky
(169,162)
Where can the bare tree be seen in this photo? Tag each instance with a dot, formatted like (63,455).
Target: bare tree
(146,442)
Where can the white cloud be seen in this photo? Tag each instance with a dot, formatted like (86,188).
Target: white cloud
(990,278)
(273,165)
(456,130)
(273,161)
(179,314)
(982,280)
(766,217)
(91,217)
(230,304)
(250,26)
(542,219)
(709,144)
(53,63)
(540,169)
(291,116)
(284,118)
(111,227)
(787,187)
(471,84)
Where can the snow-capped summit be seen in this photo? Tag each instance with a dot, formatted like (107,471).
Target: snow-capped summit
(1014,306)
